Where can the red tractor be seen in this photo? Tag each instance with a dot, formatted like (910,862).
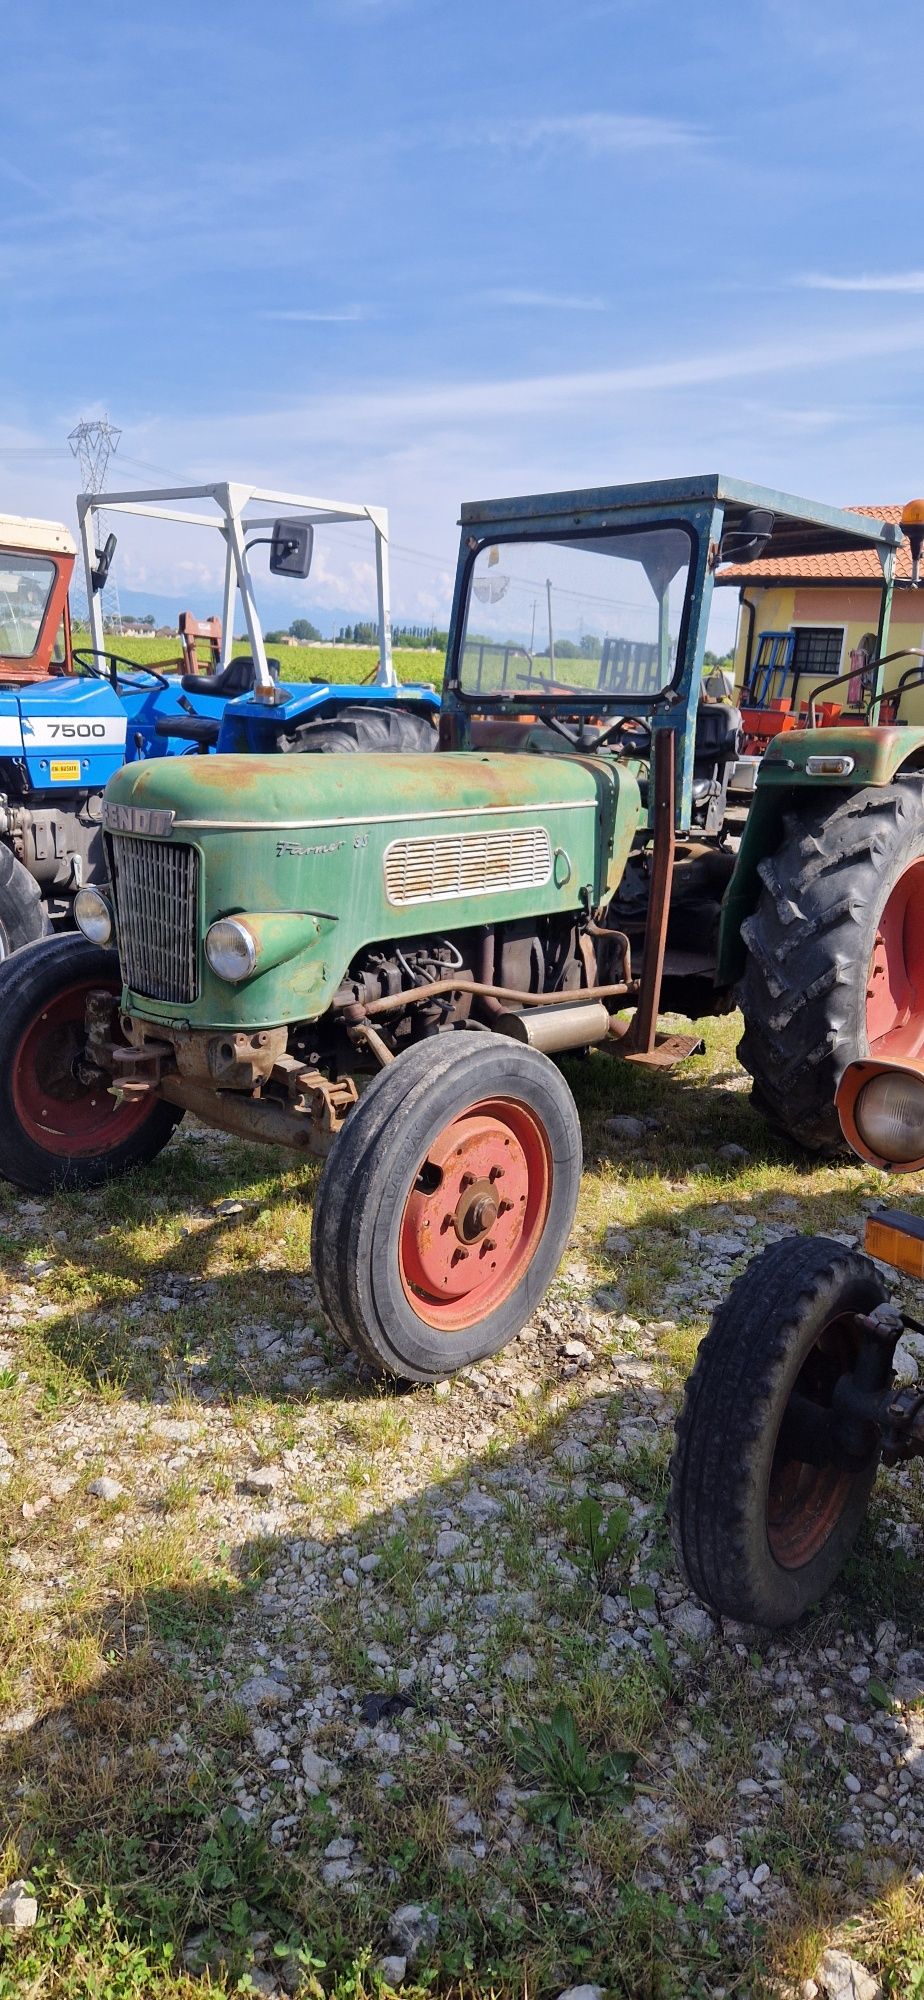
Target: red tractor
(793,1403)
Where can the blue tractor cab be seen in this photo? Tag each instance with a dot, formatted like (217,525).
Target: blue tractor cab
(71,714)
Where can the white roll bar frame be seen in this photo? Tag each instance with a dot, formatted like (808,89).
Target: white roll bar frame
(230,499)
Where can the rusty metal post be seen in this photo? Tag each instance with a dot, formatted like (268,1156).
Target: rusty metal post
(640,1040)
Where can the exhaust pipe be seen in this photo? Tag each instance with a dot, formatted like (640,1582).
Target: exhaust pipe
(554,1029)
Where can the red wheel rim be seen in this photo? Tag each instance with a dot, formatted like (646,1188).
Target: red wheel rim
(804,1501)
(895,980)
(56,1107)
(475,1213)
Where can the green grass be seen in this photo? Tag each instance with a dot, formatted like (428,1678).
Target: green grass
(304,663)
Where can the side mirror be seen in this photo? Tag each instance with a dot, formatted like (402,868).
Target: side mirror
(103,565)
(749,538)
(291,548)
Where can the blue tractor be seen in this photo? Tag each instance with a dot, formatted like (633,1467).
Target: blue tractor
(71,714)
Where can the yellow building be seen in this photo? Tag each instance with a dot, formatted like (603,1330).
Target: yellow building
(810,614)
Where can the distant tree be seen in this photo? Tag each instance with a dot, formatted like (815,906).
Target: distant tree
(302,628)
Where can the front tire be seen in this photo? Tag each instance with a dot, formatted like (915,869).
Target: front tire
(59,1126)
(22,912)
(761,1532)
(835,955)
(446,1204)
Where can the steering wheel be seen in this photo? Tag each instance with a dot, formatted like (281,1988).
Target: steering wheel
(630,734)
(88,656)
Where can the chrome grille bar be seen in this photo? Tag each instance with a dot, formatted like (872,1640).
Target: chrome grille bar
(156,889)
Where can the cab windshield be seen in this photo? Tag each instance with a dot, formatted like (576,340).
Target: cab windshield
(596,614)
(25,587)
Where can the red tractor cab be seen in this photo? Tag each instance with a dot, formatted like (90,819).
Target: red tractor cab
(36,564)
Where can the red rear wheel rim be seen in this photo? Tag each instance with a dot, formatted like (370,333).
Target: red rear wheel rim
(475,1213)
(57,1109)
(895,980)
(805,1502)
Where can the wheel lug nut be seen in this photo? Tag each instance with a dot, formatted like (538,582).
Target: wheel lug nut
(466,1180)
(496,1174)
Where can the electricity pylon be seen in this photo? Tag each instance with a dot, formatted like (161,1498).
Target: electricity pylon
(93,442)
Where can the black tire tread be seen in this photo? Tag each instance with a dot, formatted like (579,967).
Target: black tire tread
(728,1403)
(22,911)
(362,728)
(808,945)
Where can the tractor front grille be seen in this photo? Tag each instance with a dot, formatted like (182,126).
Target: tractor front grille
(429,869)
(156,888)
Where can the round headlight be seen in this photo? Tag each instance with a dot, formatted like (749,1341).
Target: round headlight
(889,1116)
(230,949)
(93,916)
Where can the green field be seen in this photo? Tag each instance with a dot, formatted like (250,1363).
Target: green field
(302,663)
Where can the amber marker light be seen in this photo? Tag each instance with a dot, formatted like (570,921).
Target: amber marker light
(912,526)
(896,1239)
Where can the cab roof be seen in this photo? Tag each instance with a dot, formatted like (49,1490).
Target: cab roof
(19,531)
(801,527)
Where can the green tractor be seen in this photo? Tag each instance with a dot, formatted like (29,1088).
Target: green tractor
(556,875)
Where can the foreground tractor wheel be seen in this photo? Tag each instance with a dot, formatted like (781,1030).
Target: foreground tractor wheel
(762,1531)
(446,1204)
(22,912)
(835,967)
(59,1126)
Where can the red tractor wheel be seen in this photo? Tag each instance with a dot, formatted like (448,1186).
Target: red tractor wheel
(895,978)
(59,1124)
(446,1204)
(766,1502)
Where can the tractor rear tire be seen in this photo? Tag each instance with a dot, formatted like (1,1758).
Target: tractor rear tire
(835,955)
(365,727)
(760,1533)
(22,912)
(446,1203)
(59,1125)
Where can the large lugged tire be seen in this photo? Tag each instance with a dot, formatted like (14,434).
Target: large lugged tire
(835,954)
(58,1127)
(22,912)
(760,1532)
(446,1203)
(362,726)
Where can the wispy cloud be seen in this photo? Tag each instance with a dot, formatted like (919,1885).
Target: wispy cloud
(403,411)
(316,315)
(867,281)
(595,132)
(544,301)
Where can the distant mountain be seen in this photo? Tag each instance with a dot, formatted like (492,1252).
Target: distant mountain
(276,611)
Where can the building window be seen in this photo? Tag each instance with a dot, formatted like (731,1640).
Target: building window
(817,651)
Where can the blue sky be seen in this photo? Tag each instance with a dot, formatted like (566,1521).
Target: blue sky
(414,253)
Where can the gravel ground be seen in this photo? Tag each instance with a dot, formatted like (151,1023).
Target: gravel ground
(281,1645)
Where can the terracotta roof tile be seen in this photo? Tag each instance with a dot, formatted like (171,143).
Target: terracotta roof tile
(850,566)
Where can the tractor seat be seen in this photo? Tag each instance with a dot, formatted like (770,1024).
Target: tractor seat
(718,733)
(201,729)
(238,677)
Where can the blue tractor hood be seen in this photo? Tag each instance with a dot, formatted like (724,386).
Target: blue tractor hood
(64,731)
